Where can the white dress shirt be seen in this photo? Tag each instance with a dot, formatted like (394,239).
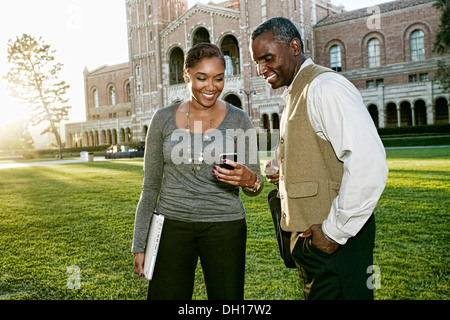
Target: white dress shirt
(337,114)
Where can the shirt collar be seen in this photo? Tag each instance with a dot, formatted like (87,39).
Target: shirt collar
(288,89)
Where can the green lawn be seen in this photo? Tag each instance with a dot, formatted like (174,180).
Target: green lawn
(55,217)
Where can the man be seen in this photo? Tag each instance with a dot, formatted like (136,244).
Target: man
(332,167)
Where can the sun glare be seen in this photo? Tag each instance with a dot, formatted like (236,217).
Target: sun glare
(10,109)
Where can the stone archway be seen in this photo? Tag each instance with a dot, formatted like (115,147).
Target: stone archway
(234,100)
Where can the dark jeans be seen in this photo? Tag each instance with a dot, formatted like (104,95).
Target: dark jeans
(221,248)
(341,275)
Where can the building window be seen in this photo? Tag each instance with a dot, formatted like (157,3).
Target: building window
(176,63)
(112,95)
(412,78)
(128,92)
(335,58)
(230,49)
(417,46)
(380,83)
(374,53)
(95,93)
(138,90)
(370,84)
(424,77)
(138,73)
(228,66)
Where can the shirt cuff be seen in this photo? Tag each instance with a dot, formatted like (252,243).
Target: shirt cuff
(333,233)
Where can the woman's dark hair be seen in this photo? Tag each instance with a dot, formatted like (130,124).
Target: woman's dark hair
(202,51)
(283,29)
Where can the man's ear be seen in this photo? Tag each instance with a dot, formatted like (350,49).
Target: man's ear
(296,47)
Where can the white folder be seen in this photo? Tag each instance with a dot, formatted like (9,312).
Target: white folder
(153,239)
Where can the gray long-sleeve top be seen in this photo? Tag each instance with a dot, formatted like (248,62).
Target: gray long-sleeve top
(170,186)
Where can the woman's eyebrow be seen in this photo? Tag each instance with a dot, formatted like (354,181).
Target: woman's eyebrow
(205,74)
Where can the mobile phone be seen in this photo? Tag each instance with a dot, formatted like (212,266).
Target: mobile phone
(229,156)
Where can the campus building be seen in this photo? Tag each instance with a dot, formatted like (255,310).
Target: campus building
(386,51)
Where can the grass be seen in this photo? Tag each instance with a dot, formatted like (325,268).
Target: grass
(412,247)
(420,140)
(57,216)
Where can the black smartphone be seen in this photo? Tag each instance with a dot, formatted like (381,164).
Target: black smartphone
(229,156)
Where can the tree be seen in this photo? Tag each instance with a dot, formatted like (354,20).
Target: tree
(33,79)
(442,43)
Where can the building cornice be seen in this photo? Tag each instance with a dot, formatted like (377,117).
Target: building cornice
(404,67)
(199,8)
(386,9)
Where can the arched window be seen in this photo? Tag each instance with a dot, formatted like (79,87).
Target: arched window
(128,92)
(335,58)
(373,111)
(230,48)
(417,46)
(95,94)
(112,95)
(200,35)
(138,80)
(138,73)
(374,53)
(176,62)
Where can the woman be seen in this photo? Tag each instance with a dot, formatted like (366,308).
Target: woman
(204,215)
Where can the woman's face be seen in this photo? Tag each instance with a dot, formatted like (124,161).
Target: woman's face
(206,80)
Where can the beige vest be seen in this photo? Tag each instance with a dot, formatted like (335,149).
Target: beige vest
(310,173)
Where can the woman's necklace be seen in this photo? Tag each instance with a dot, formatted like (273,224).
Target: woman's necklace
(195,169)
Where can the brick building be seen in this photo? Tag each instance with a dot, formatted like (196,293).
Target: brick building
(108,108)
(386,51)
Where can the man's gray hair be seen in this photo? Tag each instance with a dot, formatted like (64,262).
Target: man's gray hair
(283,29)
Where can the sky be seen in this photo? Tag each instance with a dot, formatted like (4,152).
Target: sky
(84,33)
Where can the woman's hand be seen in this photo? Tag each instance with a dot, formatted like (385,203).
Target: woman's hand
(138,259)
(241,176)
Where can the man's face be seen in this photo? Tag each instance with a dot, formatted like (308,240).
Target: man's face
(275,61)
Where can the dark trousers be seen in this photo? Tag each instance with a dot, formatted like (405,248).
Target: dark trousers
(221,248)
(341,275)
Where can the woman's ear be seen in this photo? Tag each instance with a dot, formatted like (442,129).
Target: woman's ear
(186,76)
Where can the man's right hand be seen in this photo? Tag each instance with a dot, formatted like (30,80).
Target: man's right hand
(272,172)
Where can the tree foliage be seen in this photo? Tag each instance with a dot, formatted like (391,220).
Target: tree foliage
(33,78)
(442,43)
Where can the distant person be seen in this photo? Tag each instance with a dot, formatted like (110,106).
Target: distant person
(332,166)
(204,215)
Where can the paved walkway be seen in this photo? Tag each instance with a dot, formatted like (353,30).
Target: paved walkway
(43,163)
(52,162)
